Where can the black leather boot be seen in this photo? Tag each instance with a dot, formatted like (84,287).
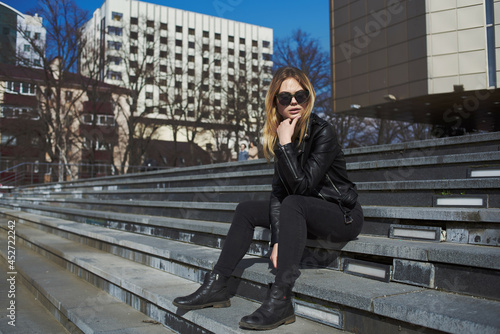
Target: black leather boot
(213,292)
(276,310)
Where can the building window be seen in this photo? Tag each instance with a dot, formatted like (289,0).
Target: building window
(150,38)
(191,31)
(178,28)
(149,95)
(134,20)
(37,35)
(242,41)
(68,95)
(115,60)
(231,39)
(205,34)
(20,88)
(178,42)
(108,120)
(191,45)
(116,16)
(133,49)
(150,52)
(490,43)
(266,44)
(150,23)
(218,36)
(163,40)
(255,43)
(163,26)
(178,56)
(8,139)
(114,75)
(117,31)
(134,35)
(163,54)
(27,48)
(114,45)
(36,62)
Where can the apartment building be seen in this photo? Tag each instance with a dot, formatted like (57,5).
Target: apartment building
(31,33)
(201,70)
(17,30)
(433,62)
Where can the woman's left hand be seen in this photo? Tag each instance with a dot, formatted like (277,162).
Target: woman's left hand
(274,256)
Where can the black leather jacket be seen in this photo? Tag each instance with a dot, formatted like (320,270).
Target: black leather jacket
(315,168)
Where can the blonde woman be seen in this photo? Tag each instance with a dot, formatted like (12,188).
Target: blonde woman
(311,195)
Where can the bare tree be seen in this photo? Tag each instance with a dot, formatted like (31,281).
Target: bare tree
(59,57)
(133,63)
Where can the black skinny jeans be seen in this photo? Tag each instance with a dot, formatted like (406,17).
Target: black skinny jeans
(300,216)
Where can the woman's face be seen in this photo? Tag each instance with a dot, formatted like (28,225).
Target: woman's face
(294,109)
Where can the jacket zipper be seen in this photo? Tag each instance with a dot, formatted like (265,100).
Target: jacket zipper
(333,184)
(289,162)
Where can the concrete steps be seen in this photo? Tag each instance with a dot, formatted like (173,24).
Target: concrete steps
(101,307)
(134,275)
(426,261)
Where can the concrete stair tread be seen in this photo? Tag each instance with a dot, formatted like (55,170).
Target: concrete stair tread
(88,307)
(451,253)
(161,178)
(475,158)
(156,286)
(389,299)
(423,144)
(482,183)
(30,315)
(456,214)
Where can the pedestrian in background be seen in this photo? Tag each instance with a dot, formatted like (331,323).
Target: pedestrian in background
(243,154)
(253,151)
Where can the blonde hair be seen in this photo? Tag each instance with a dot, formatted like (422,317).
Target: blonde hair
(273,117)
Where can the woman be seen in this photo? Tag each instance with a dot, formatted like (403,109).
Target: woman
(311,195)
(253,151)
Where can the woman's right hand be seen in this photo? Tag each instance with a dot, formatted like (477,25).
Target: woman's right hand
(274,256)
(286,129)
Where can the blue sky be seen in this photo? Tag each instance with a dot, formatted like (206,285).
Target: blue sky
(280,15)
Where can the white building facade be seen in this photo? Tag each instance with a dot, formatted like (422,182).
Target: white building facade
(31,29)
(187,52)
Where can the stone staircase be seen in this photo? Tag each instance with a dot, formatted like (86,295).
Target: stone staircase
(109,255)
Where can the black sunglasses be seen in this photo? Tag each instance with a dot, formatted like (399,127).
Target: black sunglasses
(285,98)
